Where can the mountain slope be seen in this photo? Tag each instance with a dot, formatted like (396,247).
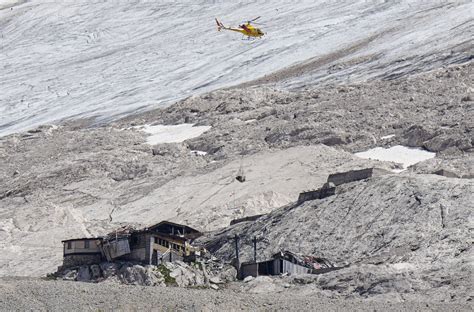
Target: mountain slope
(63,182)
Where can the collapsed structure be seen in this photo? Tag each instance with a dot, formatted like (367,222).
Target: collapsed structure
(286,262)
(162,242)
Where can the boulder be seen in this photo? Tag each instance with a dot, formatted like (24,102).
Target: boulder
(108,269)
(70,275)
(95,271)
(84,274)
(448,140)
(416,135)
(132,275)
(153,277)
(228,274)
(188,277)
(216,280)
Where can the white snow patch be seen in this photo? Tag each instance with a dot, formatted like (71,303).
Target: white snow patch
(403,266)
(172,134)
(400,154)
(250,120)
(387,137)
(199,153)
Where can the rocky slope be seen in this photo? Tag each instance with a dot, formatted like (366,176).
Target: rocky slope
(70,190)
(63,182)
(434,111)
(402,236)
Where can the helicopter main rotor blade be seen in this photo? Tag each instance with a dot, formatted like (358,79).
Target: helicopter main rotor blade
(253,20)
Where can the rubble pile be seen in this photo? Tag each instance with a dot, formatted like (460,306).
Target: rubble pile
(206,273)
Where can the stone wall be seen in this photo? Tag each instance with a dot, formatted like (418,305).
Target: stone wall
(446,173)
(355,175)
(336,179)
(316,194)
(245,219)
(81,259)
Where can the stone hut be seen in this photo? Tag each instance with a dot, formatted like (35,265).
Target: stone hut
(81,251)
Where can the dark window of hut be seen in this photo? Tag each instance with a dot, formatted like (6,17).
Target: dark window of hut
(86,244)
(69,245)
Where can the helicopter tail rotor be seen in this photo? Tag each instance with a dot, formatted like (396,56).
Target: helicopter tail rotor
(219,25)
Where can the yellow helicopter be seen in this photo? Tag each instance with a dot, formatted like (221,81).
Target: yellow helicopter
(247,29)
